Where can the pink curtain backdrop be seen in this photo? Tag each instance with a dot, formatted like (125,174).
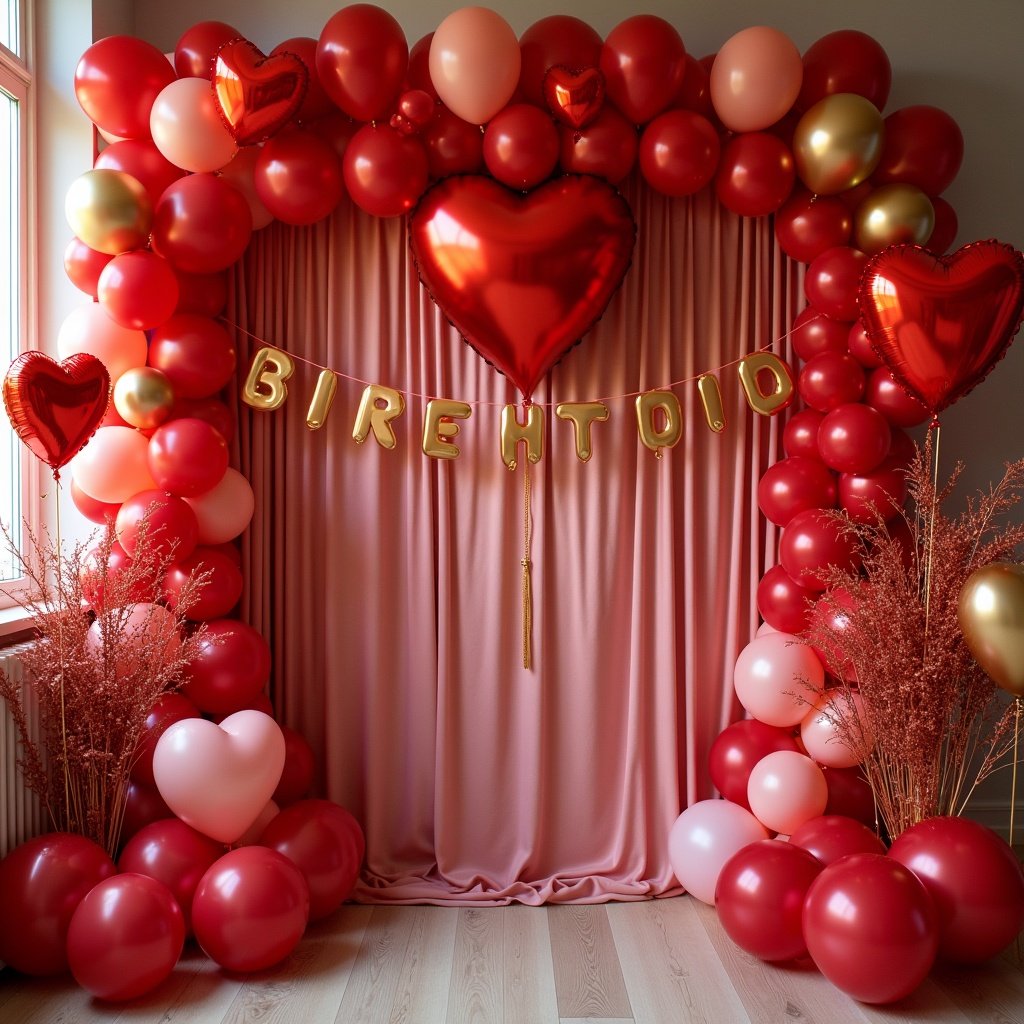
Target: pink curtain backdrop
(388,583)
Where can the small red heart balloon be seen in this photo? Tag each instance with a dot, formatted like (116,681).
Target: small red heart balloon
(257,95)
(940,323)
(574,97)
(522,277)
(56,407)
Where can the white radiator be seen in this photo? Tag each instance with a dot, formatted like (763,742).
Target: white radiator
(20,814)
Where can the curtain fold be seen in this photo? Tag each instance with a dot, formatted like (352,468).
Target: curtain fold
(388,583)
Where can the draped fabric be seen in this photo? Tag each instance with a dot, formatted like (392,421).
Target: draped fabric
(389,584)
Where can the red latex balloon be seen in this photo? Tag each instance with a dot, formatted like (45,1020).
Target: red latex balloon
(195,352)
(829,380)
(695,92)
(418,76)
(521,146)
(257,95)
(362,58)
(814,333)
(230,668)
(125,937)
(811,543)
(479,248)
(143,161)
(326,843)
(755,174)
(794,484)
(250,909)
(800,435)
(845,61)
(298,177)
(833,836)
(870,927)
(853,438)
(574,97)
(415,109)
(337,130)
(219,593)
(172,527)
(173,854)
(453,146)
(385,171)
(203,294)
(607,147)
(56,407)
(737,748)
(643,61)
(860,347)
(212,410)
(760,897)
(880,492)
(198,46)
(942,322)
(946,226)
(142,806)
(167,709)
(187,457)
(299,769)
(892,401)
(84,265)
(97,577)
(850,795)
(783,603)
(316,103)
(139,290)
(559,40)
(99,512)
(679,152)
(921,146)
(806,225)
(832,279)
(42,882)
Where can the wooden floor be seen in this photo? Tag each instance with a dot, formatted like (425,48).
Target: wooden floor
(657,962)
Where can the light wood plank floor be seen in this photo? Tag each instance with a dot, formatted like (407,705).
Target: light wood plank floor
(657,962)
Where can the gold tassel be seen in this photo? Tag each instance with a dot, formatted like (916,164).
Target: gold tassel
(526,564)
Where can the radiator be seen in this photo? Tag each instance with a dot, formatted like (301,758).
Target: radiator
(20,813)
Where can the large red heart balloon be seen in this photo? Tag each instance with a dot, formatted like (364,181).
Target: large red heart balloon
(522,277)
(940,323)
(574,98)
(256,94)
(56,407)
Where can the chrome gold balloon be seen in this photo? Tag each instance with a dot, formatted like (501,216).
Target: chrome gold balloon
(838,143)
(143,397)
(109,210)
(991,613)
(891,215)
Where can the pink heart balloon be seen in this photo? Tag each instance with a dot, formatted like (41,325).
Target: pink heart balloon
(219,778)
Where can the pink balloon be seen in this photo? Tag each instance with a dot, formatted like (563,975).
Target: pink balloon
(474,63)
(89,329)
(821,732)
(755,79)
(224,511)
(167,709)
(146,627)
(114,465)
(187,126)
(786,789)
(776,677)
(239,172)
(703,838)
(217,778)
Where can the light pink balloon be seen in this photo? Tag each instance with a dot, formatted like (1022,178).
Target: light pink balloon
(764,628)
(703,838)
(474,63)
(187,126)
(756,78)
(114,465)
(239,173)
(820,734)
(143,625)
(225,511)
(90,329)
(251,836)
(777,678)
(219,778)
(785,789)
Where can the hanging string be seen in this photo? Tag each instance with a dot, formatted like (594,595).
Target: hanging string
(69,822)
(527,568)
(937,427)
(1013,781)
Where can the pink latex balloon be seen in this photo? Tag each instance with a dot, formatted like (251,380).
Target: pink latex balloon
(239,172)
(147,626)
(474,63)
(114,465)
(224,512)
(785,789)
(187,126)
(703,838)
(775,678)
(89,329)
(821,732)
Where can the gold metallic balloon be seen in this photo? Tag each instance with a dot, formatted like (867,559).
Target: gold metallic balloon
(666,433)
(991,613)
(581,415)
(893,214)
(440,428)
(265,388)
(711,398)
(531,433)
(378,406)
(767,403)
(109,211)
(143,397)
(838,143)
(323,397)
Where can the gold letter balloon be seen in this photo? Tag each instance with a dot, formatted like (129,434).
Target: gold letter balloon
(991,613)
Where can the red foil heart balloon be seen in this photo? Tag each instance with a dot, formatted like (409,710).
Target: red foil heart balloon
(56,407)
(574,97)
(257,95)
(522,277)
(940,323)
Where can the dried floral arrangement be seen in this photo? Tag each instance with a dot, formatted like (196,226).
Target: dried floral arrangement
(929,726)
(103,653)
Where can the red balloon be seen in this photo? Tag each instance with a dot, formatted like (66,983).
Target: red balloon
(201,224)
(853,438)
(755,174)
(881,492)
(607,147)
(298,177)
(84,265)
(174,854)
(574,98)
(794,484)
(125,937)
(737,748)
(172,527)
(870,927)
(187,457)
(212,410)
(521,146)
(946,226)
(99,512)
(415,109)
(385,171)
(845,61)
(813,542)
(116,82)
(921,146)
(643,61)
(198,46)
(902,449)
(941,323)
(679,152)
(800,435)
(138,290)
(453,146)
(832,280)
(143,161)
(975,881)
(299,769)
(892,401)
(316,103)
(42,882)
(829,380)
(833,836)
(167,709)
(250,909)
(783,603)
(337,130)
(97,577)
(418,75)
(362,58)
(219,593)
(142,806)
(860,347)
(760,897)
(202,294)
(695,92)
(806,225)
(850,795)
(558,40)
(326,843)
(813,333)
(568,244)
(195,352)
(230,668)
